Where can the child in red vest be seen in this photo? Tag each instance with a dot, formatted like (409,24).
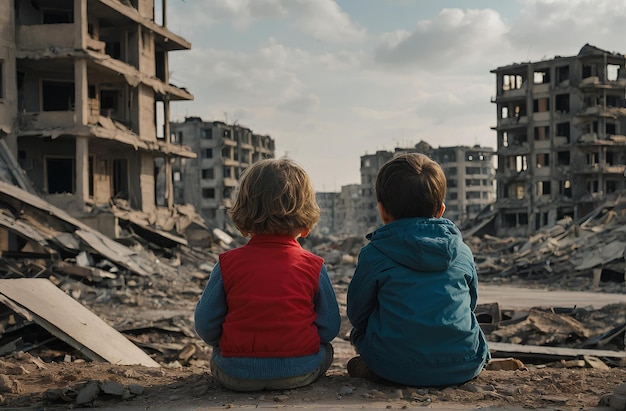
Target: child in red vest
(269,309)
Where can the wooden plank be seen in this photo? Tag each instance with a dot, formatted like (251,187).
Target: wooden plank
(559,352)
(73,323)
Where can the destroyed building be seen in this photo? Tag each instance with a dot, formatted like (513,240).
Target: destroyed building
(85,101)
(561,138)
(224,151)
(470,175)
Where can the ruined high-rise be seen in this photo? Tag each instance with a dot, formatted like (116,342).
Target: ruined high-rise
(561,131)
(85,97)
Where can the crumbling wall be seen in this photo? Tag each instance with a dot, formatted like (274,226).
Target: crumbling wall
(8,92)
(147,126)
(44,37)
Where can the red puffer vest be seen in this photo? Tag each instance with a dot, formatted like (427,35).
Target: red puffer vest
(270,284)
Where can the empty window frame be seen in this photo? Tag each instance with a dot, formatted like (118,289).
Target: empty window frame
(563,158)
(541,105)
(1,80)
(515,190)
(542,133)
(562,74)
(208,193)
(60,174)
(207,174)
(565,188)
(593,186)
(562,103)
(541,76)
(515,219)
(517,163)
(612,72)
(57,16)
(57,95)
(563,130)
(121,179)
(512,82)
(543,188)
(543,160)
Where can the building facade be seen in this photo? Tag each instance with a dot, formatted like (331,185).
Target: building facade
(224,151)
(561,136)
(470,174)
(84,100)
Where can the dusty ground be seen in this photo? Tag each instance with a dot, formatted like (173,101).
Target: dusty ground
(41,379)
(61,385)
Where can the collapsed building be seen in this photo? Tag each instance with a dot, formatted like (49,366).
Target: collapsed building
(85,102)
(561,138)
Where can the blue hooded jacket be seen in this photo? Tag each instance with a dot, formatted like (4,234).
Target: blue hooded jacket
(411,303)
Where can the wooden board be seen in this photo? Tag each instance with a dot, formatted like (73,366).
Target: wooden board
(71,322)
(560,352)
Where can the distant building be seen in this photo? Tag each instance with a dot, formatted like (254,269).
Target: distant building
(561,132)
(328,203)
(224,151)
(470,175)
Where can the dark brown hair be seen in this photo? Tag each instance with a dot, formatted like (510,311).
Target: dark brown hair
(275,197)
(411,185)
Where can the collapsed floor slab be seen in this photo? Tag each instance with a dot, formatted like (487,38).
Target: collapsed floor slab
(71,322)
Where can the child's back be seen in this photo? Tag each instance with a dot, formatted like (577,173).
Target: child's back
(412,298)
(421,329)
(269,309)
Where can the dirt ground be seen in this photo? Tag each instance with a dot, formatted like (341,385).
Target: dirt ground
(31,381)
(26,382)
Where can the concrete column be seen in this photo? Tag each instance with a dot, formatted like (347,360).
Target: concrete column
(80,23)
(80,107)
(82,169)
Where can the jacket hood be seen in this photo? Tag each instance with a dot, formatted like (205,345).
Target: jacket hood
(421,244)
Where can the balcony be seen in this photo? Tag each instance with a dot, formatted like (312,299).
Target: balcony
(46,37)
(542,116)
(512,122)
(45,120)
(508,95)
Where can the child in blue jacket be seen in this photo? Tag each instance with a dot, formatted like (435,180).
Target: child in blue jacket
(269,309)
(411,300)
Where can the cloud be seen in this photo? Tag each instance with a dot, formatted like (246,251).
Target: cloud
(545,28)
(322,20)
(455,38)
(300,104)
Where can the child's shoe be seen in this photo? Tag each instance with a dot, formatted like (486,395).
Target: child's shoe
(358,369)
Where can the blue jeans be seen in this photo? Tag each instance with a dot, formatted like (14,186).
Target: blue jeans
(241,384)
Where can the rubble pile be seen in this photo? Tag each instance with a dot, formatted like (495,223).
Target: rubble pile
(145,284)
(575,255)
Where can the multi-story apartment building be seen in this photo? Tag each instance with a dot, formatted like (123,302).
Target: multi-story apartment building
(84,99)
(561,127)
(328,203)
(224,151)
(470,174)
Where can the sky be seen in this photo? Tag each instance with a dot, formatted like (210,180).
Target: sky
(333,80)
